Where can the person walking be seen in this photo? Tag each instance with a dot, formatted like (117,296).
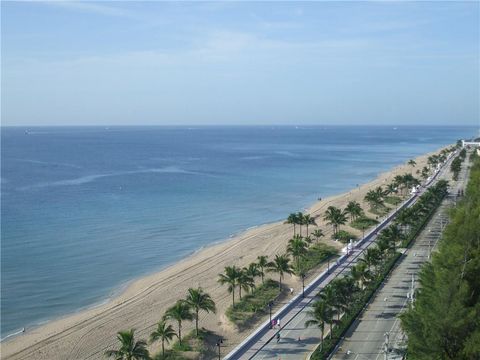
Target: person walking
(278,336)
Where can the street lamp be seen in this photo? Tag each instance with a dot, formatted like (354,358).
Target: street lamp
(303,285)
(270,304)
(219,344)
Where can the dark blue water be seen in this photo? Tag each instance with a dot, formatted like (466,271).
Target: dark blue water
(85,210)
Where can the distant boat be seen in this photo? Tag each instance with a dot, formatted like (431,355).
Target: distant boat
(394,128)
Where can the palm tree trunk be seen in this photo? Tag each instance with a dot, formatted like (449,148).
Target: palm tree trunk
(180,332)
(233,297)
(196,321)
(163,347)
(263,282)
(280,283)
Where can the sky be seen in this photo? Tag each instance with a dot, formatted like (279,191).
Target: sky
(240,63)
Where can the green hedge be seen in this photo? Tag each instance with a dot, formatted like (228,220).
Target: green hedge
(253,303)
(316,255)
(357,307)
(344,236)
(363,223)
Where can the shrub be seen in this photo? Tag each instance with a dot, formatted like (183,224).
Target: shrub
(254,303)
(392,200)
(344,236)
(363,223)
(316,255)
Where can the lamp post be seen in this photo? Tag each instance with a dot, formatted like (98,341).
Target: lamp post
(270,304)
(219,344)
(303,285)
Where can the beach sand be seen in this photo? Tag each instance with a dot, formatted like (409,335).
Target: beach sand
(87,334)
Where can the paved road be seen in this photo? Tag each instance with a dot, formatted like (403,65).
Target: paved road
(262,344)
(366,337)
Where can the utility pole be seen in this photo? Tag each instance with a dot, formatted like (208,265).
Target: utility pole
(412,292)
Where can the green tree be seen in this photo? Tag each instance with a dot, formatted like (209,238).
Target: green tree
(298,249)
(179,312)
(320,315)
(318,233)
(199,301)
(335,217)
(281,266)
(354,210)
(129,348)
(244,282)
(230,277)
(262,262)
(308,220)
(163,332)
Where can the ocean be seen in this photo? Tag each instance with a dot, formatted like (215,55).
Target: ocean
(85,210)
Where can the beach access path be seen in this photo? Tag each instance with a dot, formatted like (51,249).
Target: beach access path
(295,340)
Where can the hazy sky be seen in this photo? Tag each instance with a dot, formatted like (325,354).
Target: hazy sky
(66,63)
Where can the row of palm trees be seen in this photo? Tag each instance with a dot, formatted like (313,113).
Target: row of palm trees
(341,294)
(236,278)
(338,297)
(300,219)
(187,309)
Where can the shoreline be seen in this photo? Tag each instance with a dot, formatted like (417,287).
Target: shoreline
(127,298)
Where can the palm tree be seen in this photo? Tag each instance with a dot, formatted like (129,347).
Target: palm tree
(129,349)
(280,265)
(244,282)
(320,315)
(353,209)
(232,273)
(308,220)
(371,257)
(252,271)
(199,300)
(292,219)
(262,264)
(330,297)
(374,198)
(300,221)
(318,233)
(425,172)
(179,312)
(164,333)
(361,274)
(391,188)
(393,234)
(297,248)
(412,162)
(335,217)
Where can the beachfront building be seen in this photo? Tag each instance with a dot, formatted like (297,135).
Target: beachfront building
(474,143)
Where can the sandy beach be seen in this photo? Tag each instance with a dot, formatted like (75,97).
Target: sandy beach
(87,334)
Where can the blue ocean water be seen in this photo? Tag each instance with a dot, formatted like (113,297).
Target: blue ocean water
(84,210)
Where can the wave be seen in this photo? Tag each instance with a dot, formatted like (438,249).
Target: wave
(49,163)
(12,334)
(90,178)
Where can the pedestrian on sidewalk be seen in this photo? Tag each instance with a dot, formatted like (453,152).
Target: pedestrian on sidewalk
(278,336)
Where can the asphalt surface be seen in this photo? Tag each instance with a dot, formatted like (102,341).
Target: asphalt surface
(366,338)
